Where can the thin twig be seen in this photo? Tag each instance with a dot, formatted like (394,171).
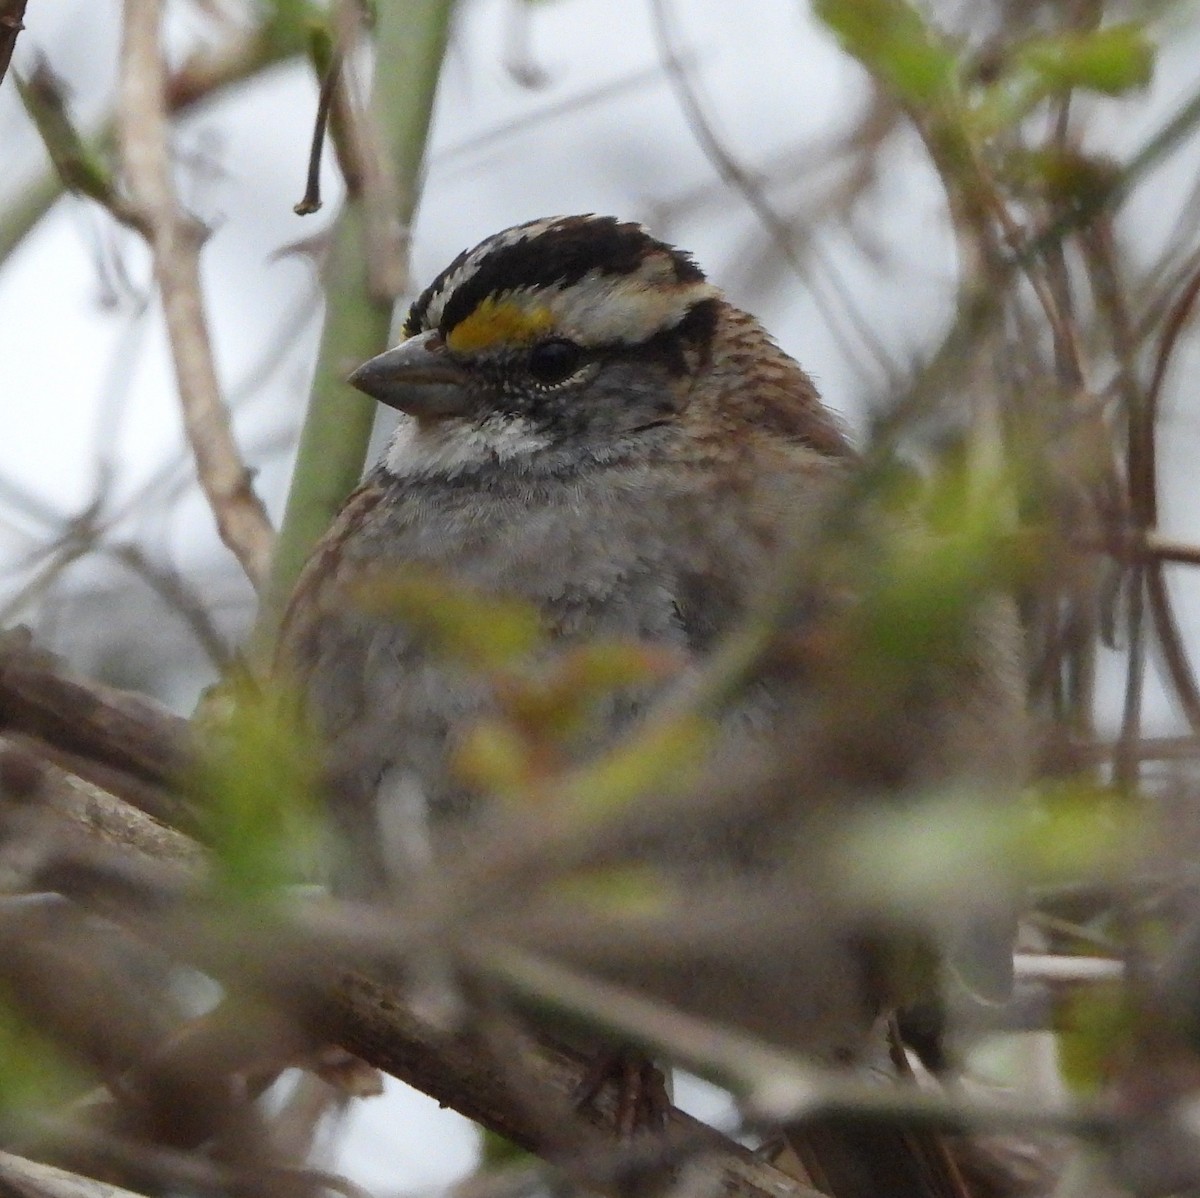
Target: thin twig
(1170,639)
(779,1087)
(1141,475)
(517,57)
(1109,194)
(733,173)
(1066,336)
(1174,324)
(1057,969)
(77,166)
(371,172)
(175,241)
(162,1167)
(277,37)
(311,200)
(411,44)
(170,587)
(1168,550)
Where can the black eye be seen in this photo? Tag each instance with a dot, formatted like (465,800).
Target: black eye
(554,361)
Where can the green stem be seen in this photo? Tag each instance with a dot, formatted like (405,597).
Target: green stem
(411,42)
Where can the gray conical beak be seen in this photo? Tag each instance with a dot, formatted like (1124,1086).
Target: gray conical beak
(417,377)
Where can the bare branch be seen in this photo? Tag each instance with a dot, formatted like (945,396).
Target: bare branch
(175,242)
(20,1178)
(751,191)
(121,741)
(362,146)
(12,14)
(371,1020)
(367,1018)
(171,588)
(1060,970)
(204,74)
(77,166)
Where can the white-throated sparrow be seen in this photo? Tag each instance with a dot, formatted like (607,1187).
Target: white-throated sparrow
(592,428)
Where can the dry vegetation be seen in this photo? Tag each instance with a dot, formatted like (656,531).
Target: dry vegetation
(144,858)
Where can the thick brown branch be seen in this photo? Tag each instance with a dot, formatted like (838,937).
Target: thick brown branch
(373,1023)
(20,1178)
(371,1020)
(124,742)
(175,242)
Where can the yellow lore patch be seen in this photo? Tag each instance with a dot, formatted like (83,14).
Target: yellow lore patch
(499,321)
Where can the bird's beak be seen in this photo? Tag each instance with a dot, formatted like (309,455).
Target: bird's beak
(417,377)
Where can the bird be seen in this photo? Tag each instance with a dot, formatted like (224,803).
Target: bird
(588,426)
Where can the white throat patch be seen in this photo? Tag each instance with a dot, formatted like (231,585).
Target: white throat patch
(445,448)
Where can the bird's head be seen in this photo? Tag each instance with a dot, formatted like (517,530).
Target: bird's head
(552,344)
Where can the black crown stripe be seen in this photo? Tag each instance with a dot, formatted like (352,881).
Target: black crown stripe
(559,256)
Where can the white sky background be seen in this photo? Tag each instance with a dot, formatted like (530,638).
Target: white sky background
(84,377)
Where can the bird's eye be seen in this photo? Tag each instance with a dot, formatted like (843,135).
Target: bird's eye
(554,361)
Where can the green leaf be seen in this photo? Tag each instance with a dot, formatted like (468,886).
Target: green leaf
(894,42)
(663,756)
(1110,61)
(34,1074)
(1061,175)
(1078,829)
(936,563)
(480,629)
(78,167)
(494,757)
(627,891)
(258,782)
(1094,1025)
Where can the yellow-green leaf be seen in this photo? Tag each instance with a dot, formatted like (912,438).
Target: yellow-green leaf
(894,42)
(1093,1024)
(662,756)
(482,630)
(34,1075)
(1111,61)
(257,780)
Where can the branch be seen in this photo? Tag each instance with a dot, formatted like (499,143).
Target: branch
(732,173)
(77,165)
(12,15)
(1055,969)
(370,1021)
(1148,545)
(175,242)
(20,1178)
(375,1022)
(121,741)
(280,36)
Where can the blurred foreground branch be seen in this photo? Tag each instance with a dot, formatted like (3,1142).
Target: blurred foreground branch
(372,1020)
(21,1178)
